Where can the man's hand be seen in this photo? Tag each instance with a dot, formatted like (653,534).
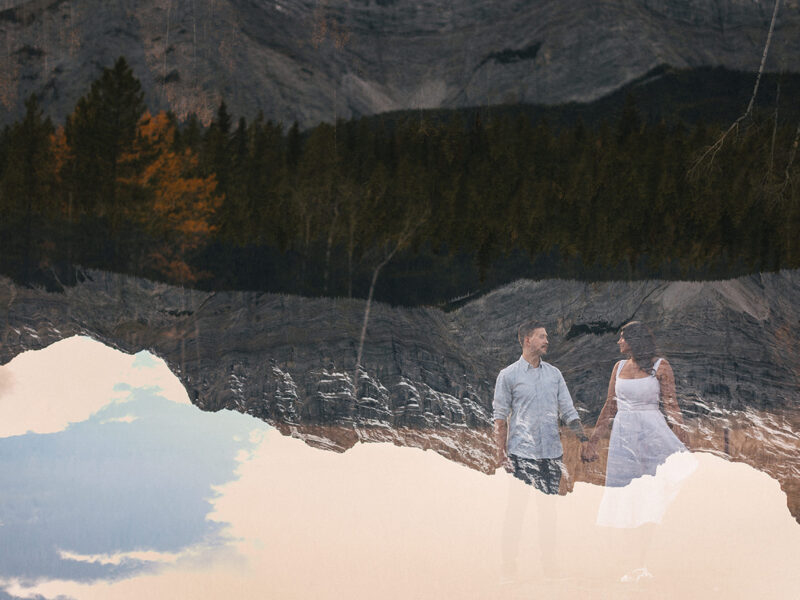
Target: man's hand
(504,462)
(589,452)
(500,436)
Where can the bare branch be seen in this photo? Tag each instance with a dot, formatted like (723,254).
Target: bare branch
(412,223)
(711,151)
(792,156)
(774,131)
(764,56)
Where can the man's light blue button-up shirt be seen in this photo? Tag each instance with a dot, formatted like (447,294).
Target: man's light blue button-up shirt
(533,399)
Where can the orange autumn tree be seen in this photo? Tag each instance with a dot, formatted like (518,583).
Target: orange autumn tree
(167,199)
(62,154)
(64,210)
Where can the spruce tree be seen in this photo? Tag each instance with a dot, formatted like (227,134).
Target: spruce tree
(27,188)
(100,129)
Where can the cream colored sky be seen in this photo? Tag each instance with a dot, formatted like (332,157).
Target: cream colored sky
(386,522)
(43,391)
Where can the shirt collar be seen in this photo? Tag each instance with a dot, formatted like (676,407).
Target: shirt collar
(526,365)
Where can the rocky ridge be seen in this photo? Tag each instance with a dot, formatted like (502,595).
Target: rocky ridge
(315,61)
(733,344)
(428,376)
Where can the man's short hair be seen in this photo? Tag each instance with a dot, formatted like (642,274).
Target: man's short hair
(526,329)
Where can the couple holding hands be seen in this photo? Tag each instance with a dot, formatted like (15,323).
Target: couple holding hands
(531,398)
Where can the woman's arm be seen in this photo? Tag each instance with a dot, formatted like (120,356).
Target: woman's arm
(606,417)
(609,408)
(669,400)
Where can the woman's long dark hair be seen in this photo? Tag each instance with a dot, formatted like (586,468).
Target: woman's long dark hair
(642,344)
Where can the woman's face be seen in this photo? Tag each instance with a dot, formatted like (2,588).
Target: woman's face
(624,348)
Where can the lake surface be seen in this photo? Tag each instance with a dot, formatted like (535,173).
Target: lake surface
(113,485)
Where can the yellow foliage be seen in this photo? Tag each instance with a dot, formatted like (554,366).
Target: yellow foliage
(60,148)
(179,205)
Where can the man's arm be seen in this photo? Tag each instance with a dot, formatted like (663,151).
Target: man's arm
(567,412)
(501,409)
(500,441)
(576,428)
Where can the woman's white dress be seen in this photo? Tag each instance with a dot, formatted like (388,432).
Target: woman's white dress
(646,461)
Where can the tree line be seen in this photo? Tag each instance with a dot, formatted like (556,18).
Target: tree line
(438,207)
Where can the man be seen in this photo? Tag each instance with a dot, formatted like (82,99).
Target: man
(529,399)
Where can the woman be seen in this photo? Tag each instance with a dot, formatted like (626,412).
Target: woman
(641,440)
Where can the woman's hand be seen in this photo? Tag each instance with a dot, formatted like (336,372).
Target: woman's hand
(589,452)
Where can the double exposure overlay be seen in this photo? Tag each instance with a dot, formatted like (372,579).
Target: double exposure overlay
(404,299)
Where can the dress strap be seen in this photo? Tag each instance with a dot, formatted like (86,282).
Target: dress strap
(655,366)
(619,368)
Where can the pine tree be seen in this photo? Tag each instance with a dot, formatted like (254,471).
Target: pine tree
(239,211)
(190,135)
(100,129)
(294,147)
(265,183)
(630,122)
(217,160)
(315,198)
(27,189)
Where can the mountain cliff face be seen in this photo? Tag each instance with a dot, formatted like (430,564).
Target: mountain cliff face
(733,344)
(315,61)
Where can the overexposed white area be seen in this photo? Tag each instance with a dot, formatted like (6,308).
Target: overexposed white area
(43,391)
(381,521)
(388,522)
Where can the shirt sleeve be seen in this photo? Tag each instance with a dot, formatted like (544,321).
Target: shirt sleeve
(501,405)
(566,410)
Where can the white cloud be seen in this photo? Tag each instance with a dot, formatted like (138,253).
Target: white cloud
(120,557)
(389,522)
(45,390)
(125,419)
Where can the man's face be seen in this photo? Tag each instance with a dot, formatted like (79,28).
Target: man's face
(537,341)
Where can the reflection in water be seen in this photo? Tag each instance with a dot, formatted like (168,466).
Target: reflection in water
(136,475)
(124,488)
(263,515)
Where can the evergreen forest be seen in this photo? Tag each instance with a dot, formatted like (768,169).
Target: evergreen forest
(429,206)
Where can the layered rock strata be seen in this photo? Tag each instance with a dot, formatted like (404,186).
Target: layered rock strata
(320,60)
(733,344)
(427,377)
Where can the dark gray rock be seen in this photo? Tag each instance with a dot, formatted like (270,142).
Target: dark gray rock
(733,344)
(316,61)
(428,376)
